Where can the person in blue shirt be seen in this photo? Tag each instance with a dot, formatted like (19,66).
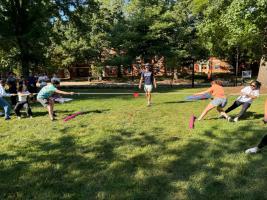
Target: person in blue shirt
(45,97)
(3,102)
(149,80)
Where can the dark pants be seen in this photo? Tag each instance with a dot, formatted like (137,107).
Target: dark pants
(236,104)
(263,142)
(20,105)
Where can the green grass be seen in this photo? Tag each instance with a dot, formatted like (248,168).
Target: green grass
(121,149)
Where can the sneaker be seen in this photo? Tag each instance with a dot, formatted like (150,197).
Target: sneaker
(7,118)
(236,119)
(148,104)
(229,119)
(252,150)
(30,117)
(52,119)
(18,117)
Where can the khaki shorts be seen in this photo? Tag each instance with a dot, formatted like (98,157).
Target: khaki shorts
(221,102)
(44,102)
(148,88)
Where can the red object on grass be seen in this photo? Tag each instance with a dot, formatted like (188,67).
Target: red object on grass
(135,94)
(192,122)
(72,116)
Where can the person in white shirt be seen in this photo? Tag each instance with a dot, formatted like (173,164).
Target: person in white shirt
(3,102)
(23,94)
(248,95)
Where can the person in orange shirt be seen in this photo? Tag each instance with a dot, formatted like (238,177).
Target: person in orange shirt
(219,99)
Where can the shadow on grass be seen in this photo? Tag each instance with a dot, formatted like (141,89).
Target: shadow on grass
(132,165)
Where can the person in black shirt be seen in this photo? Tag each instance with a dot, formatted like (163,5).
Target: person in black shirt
(149,80)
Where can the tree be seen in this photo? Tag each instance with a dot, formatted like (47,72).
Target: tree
(230,25)
(25,29)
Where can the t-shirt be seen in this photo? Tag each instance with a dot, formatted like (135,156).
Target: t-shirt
(249,91)
(148,77)
(32,81)
(46,92)
(217,91)
(12,82)
(23,98)
(42,80)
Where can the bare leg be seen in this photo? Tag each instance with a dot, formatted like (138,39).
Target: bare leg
(221,111)
(148,98)
(207,109)
(50,109)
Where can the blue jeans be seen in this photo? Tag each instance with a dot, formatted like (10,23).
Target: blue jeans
(6,106)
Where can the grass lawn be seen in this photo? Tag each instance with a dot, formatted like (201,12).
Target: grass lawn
(121,149)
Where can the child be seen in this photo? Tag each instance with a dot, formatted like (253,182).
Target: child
(3,102)
(45,97)
(256,149)
(248,94)
(219,99)
(149,80)
(23,94)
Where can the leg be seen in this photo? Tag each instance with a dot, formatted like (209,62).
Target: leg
(6,107)
(221,111)
(18,107)
(263,142)
(149,98)
(256,149)
(245,106)
(50,108)
(232,107)
(28,109)
(207,109)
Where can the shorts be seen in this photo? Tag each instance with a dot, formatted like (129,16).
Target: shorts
(221,102)
(148,88)
(44,102)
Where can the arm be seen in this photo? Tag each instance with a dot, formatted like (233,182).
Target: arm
(251,96)
(23,94)
(62,92)
(155,83)
(4,94)
(140,82)
(204,92)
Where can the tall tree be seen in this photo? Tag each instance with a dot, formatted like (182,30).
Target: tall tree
(25,26)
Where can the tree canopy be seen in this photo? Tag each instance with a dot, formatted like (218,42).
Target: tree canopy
(44,34)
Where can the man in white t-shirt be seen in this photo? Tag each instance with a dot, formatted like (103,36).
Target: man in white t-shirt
(248,94)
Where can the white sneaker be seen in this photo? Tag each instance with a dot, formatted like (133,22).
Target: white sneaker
(229,119)
(19,117)
(236,119)
(252,150)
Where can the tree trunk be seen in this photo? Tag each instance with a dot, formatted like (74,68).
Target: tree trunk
(262,75)
(25,68)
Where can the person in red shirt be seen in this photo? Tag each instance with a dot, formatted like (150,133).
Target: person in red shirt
(219,99)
